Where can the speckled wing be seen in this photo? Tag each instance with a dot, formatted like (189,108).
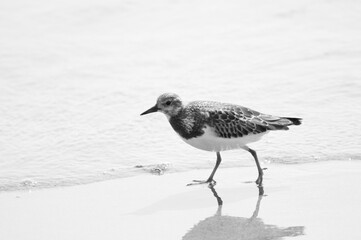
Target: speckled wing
(232,121)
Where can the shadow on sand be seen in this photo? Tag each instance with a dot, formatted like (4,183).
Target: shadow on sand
(228,228)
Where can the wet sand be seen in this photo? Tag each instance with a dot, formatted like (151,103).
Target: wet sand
(305,201)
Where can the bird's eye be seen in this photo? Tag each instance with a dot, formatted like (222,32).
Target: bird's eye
(168,103)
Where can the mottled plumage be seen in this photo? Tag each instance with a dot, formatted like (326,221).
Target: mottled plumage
(215,126)
(227,120)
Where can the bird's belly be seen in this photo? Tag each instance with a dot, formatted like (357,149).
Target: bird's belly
(209,141)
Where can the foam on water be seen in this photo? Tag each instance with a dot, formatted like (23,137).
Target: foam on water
(75,75)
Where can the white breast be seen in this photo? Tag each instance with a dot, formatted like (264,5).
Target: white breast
(209,141)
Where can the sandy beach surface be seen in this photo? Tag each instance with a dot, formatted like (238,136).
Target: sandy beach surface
(304,201)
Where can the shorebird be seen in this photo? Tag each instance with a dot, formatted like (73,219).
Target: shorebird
(214,126)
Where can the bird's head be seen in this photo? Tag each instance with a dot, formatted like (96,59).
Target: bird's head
(168,103)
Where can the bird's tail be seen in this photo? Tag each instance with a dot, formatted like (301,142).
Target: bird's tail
(295,121)
(282,123)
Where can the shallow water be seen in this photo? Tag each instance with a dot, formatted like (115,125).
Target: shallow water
(75,75)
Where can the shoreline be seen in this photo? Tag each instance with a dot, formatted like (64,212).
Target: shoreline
(310,201)
(157,170)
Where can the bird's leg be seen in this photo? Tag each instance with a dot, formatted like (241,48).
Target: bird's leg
(260,172)
(210,178)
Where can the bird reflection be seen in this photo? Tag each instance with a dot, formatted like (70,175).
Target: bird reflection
(228,227)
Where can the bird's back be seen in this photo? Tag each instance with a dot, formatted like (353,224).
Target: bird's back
(232,120)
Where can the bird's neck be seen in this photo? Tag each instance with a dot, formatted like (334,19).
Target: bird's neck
(186,125)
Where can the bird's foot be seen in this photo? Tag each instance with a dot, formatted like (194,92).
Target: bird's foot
(210,182)
(259,180)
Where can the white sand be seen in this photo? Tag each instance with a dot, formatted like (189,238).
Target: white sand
(324,198)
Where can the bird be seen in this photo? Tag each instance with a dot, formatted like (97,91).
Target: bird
(217,127)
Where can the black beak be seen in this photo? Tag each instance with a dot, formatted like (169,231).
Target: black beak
(151,110)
